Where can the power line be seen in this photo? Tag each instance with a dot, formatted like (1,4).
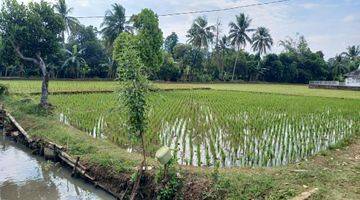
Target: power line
(199,11)
(223,9)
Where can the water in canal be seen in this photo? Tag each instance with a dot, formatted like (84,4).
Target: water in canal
(27,177)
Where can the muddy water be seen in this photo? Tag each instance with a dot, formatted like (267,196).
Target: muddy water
(27,177)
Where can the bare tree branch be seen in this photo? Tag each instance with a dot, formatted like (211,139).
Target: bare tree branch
(41,64)
(17,49)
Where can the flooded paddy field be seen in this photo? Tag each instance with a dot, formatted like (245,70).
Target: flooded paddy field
(28,177)
(230,127)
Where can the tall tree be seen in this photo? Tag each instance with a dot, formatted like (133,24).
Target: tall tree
(239,34)
(353,52)
(2,63)
(262,40)
(201,34)
(306,64)
(298,45)
(150,40)
(134,84)
(170,42)
(114,23)
(338,67)
(71,23)
(169,70)
(9,61)
(33,32)
(94,53)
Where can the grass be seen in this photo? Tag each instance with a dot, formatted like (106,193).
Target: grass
(33,86)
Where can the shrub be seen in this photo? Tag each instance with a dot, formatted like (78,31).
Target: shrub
(170,181)
(4,89)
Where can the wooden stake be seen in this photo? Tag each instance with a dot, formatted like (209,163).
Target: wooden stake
(76,164)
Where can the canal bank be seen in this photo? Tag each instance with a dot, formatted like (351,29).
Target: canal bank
(48,150)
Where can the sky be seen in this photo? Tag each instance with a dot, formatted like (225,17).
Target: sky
(328,25)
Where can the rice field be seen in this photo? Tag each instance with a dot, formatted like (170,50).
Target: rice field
(235,128)
(34,86)
(236,124)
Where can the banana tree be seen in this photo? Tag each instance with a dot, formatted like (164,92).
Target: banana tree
(75,58)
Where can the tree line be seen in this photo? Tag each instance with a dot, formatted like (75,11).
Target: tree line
(72,50)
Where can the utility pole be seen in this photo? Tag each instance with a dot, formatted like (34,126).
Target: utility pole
(218,24)
(217,49)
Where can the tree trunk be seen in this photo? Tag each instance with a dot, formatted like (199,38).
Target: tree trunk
(44,85)
(141,170)
(257,72)
(222,66)
(45,76)
(63,38)
(237,55)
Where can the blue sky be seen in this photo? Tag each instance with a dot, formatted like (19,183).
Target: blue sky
(328,25)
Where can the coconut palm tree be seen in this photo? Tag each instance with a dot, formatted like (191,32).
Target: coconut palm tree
(201,34)
(71,23)
(353,52)
(114,23)
(262,40)
(238,34)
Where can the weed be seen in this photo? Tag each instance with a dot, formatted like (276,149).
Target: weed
(169,181)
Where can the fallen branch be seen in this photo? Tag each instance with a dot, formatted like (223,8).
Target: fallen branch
(305,195)
(17,125)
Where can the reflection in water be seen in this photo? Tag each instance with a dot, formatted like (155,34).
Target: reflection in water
(27,177)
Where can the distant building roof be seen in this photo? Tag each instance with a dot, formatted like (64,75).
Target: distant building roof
(354,74)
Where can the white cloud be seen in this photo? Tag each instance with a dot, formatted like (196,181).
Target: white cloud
(310,5)
(332,44)
(350,18)
(83,3)
(27,1)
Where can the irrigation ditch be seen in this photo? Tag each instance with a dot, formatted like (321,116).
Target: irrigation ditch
(53,152)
